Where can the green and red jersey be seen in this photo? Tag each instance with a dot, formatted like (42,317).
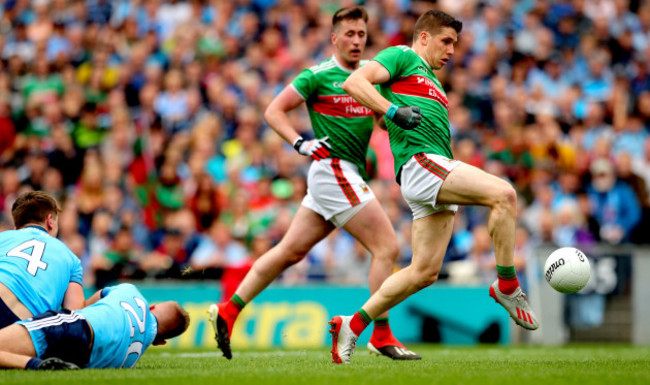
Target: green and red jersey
(413,83)
(334,113)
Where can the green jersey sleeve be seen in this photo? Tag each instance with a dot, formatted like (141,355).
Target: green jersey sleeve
(305,83)
(392,59)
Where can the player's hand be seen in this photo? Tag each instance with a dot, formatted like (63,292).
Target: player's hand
(407,117)
(316,148)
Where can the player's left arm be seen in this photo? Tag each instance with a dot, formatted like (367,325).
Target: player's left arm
(74,297)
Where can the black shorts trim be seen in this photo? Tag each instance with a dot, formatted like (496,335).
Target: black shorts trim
(69,341)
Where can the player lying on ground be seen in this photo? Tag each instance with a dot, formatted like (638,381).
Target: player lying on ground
(337,194)
(412,99)
(113,331)
(37,271)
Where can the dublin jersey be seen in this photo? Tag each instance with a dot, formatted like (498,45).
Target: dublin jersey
(334,113)
(123,326)
(413,83)
(37,268)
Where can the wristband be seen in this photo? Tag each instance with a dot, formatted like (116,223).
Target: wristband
(297,143)
(391,111)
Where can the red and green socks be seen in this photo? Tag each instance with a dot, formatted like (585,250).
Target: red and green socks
(382,335)
(360,320)
(230,309)
(507,276)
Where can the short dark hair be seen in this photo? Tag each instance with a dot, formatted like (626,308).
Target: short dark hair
(33,207)
(349,13)
(432,21)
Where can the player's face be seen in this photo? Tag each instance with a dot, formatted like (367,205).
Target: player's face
(349,40)
(440,47)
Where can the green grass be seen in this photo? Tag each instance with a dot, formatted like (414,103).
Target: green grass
(576,365)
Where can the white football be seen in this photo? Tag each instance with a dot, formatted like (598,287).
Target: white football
(567,270)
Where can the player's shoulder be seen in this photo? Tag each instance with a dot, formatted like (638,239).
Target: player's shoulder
(398,49)
(125,291)
(26,234)
(7,234)
(323,66)
(122,287)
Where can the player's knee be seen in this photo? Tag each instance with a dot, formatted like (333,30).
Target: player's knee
(425,278)
(388,252)
(506,198)
(294,256)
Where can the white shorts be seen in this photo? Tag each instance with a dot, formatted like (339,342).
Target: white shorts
(421,180)
(336,191)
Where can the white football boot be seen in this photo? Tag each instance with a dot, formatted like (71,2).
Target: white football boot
(343,339)
(516,304)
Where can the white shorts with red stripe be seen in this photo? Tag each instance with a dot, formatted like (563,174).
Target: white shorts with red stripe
(421,180)
(336,191)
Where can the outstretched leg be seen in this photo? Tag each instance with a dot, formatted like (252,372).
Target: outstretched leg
(431,235)
(306,229)
(372,228)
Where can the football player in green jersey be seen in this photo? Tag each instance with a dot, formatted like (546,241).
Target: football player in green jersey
(415,105)
(337,193)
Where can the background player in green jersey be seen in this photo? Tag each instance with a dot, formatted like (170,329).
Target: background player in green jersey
(337,194)
(412,99)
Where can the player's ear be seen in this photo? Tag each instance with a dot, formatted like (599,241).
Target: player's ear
(49,221)
(333,37)
(424,37)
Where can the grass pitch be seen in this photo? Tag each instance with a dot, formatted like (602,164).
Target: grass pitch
(439,365)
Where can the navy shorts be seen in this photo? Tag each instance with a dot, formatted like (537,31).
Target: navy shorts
(63,334)
(7,317)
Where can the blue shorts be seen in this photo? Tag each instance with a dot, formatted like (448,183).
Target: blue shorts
(63,334)
(7,317)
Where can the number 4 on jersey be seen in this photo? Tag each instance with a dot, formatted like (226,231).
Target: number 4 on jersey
(34,258)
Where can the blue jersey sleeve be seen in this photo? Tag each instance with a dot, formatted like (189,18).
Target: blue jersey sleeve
(76,273)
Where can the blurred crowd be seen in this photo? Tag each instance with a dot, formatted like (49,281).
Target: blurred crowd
(144,118)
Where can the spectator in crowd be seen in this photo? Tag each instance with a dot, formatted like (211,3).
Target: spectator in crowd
(615,205)
(150,111)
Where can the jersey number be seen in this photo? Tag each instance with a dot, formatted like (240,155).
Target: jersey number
(34,258)
(136,346)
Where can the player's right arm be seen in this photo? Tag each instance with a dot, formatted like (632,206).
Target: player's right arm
(360,85)
(74,297)
(276,117)
(276,113)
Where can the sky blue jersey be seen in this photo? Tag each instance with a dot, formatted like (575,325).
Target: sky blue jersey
(123,325)
(37,268)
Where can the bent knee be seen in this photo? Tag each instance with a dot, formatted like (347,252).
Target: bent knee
(505,197)
(425,278)
(388,252)
(292,255)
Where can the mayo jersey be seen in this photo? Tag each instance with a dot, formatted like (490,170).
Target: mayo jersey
(334,113)
(413,83)
(123,326)
(37,268)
